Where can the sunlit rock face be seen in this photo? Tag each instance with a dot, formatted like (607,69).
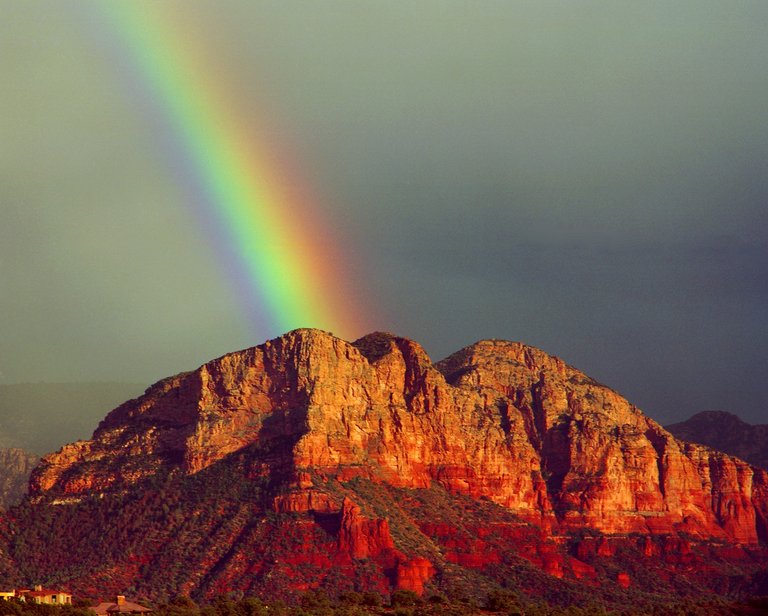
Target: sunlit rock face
(608,466)
(497,420)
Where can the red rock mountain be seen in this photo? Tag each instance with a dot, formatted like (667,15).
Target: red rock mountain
(726,432)
(368,462)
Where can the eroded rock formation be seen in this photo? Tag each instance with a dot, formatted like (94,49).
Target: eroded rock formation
(497,420)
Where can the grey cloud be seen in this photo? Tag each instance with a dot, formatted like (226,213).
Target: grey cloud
(588,177)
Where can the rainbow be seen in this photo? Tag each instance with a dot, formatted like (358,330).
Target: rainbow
(263,226)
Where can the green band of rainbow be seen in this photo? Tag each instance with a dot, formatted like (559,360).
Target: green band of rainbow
(292,273)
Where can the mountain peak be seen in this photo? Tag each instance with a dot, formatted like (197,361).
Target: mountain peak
(718,417)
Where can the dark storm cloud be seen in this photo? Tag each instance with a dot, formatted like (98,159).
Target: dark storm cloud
(587,177)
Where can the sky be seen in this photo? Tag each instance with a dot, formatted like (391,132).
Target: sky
(588,177)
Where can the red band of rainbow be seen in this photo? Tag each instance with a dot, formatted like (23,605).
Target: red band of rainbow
(289,268)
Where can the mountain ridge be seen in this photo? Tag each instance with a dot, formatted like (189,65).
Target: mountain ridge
(316,389)
(345,463)
(726,432)
(16,466)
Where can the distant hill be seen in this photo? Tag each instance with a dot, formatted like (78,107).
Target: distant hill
(15,468)
(726,432)
(41,417)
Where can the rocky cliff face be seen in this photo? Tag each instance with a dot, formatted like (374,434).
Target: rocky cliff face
(497,420)
(15,468)
(726,432)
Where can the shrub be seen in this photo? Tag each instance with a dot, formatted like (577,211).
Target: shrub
(371,598)
(351,598)
(316,601)
(502,601)
(404,597)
